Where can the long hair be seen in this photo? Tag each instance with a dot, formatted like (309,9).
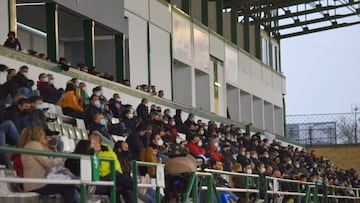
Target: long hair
(82,147)
(32,133)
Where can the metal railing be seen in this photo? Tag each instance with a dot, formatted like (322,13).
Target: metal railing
(311,192)
(323,129)
(80,182)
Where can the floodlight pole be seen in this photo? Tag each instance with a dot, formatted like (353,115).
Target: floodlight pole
(356,109)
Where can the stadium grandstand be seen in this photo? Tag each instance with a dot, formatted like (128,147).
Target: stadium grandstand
(158,101)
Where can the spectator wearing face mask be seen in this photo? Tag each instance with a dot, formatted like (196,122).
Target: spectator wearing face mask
(195,146)
(214,150)
(98,91)
(93,108)
(143,110)
(116,106)
(70,104)
(100,125)
(24,83)
(128,119)
(47,90)
(20,114)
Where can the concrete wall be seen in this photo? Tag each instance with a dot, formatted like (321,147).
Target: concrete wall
(95,9)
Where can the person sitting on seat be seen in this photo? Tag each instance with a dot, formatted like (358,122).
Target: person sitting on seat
(47,90)
(36,166)
(123,182)
(70,104)
(24,83)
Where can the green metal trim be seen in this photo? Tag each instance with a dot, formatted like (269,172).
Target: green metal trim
(180,12)
(210,190)
(205,12)
(257,41)
(119,57)
(220,37)
(186,6)
(234,22)
(148,51)
(134,167)
(199,24)
(83,193)
(219,17)
(52,39)
(89,42)
(195,190)
(284,115)
(158,195)
(113,192)
(246,30)
(171,67)
(189,188)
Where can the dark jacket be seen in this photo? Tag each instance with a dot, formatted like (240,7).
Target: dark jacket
(115,111)
(73,165)
(142,111)
(20,119)
(14,45)
(22,81)
(135,144)
(10,87)
(90,111)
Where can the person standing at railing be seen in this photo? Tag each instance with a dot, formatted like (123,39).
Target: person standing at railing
(36,166)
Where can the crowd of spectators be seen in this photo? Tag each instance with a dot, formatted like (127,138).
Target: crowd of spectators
(150,134)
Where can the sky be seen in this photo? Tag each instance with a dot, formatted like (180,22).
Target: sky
(322,71)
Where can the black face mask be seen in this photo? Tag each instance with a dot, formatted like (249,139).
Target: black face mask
(53,142)
(26,111)
(125,153)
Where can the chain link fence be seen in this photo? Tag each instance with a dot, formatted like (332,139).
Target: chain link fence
(322,129)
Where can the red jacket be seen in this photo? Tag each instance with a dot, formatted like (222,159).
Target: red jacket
(195,149)
(215,155)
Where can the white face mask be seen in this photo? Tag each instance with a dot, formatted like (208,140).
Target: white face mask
(216,144)
(130,116)
(242,153)
(262,170)
(248,156)
(3,77)
(25,74)
(199,143)
(98,93)
(97,104)
(249,171)
(160,142)
(178,140)
(51,81)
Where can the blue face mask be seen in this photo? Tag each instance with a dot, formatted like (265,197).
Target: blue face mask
(40,107)
(103,121)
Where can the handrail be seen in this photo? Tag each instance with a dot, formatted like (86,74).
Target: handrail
(134,167)
(82,183)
